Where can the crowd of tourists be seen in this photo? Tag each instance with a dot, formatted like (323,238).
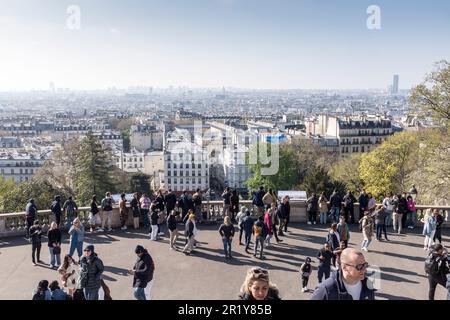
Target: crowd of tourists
(341,271)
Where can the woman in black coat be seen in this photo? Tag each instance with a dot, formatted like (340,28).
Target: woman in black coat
(234,205)
(54,245)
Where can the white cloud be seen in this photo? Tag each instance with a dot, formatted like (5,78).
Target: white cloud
(115,31)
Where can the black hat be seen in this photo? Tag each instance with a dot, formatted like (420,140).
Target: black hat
(139,249)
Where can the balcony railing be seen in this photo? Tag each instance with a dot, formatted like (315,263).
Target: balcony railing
(14,224)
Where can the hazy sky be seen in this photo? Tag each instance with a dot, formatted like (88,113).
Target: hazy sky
(309,44)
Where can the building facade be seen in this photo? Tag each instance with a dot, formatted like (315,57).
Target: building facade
(20,166)
(146,138)
(186,166)
(353,134)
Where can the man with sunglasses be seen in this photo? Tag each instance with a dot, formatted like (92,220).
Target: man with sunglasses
(349,282)
(91,269)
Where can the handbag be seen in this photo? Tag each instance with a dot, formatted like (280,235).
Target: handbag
(56,250)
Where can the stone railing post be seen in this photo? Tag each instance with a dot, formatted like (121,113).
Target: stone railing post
(2,225)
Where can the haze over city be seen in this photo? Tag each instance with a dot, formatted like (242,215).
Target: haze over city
(213,43)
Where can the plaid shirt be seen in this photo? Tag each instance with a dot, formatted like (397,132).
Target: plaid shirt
(145,203)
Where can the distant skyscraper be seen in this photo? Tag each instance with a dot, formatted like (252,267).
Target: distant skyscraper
(395,84)
(51,87)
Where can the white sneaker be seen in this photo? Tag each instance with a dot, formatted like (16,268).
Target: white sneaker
(304,290)
(161,234)
(123,228)
(100,230)
(314,222)
(309,222)
(110,229)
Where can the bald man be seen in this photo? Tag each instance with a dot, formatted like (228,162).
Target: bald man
(349,282)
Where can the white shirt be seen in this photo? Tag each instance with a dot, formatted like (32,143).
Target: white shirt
(354,290)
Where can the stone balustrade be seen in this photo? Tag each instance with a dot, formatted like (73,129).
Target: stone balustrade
(14,224)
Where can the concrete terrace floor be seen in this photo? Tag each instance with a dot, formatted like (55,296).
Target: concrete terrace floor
(207,275)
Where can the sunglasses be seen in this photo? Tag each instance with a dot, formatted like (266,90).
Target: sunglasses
(260,271)
(358,267)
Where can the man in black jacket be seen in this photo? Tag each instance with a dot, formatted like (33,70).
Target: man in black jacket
(284,211)
(143,272)
(185,203)
(226,196)
(31,215)
(171,201)
(363,203)
(257,200)
(36,242)
(349,282)
(247,226)
(56,209)
(438,271)
(349,201)
(336,203)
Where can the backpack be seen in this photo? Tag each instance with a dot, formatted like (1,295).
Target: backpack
(275,218)
(107,205)
(39,295)
(151,271)
(348,202)
(257,230)
(431,265)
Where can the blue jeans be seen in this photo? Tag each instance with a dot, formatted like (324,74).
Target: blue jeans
(241,231)
(91,294)
(145,218)
(365,243)
(259,240)
(139,293)
(248,237)
(323,218)
(335,213)
(70,221)
(323,270)
(412,218)
(53,256)
(389,218)
(227,247)
(76,245)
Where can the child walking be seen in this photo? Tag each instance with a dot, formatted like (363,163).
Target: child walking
(305,269)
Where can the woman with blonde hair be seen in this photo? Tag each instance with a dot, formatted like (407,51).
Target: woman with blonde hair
(257,286)
(76,238)
(429,228)
(226,230)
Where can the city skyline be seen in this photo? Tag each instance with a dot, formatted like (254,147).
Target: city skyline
(220,43)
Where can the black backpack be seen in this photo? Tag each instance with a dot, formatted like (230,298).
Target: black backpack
(39,295)
(107,205)
(431,265)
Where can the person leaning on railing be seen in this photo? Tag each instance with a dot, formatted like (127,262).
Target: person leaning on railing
(31,215)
